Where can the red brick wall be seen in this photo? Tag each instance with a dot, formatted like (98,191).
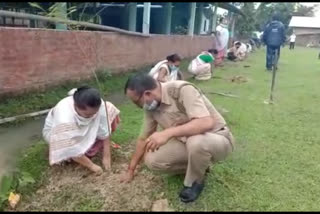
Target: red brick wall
(36,58)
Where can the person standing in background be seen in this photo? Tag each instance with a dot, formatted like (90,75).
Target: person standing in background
(292,40)
(273,36)
(222,38)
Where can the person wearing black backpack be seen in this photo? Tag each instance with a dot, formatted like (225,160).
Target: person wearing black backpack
(273,36)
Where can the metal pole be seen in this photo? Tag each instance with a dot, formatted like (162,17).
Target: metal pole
(146,18)
(168,15)
(66,21)
(214,18)
(62,7)
(132,16)
(274,71)
(192,18)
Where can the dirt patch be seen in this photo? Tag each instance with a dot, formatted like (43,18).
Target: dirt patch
(238,79)
(161,205)
(73,188)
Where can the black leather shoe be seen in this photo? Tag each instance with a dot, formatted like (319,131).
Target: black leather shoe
(190,194)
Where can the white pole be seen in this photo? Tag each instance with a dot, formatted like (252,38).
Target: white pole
(146,18)
(192,18)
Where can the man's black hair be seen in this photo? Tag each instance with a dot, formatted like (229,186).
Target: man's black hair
(140,83)
(276,16)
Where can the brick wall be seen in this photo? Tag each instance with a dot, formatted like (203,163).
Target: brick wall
(36,58)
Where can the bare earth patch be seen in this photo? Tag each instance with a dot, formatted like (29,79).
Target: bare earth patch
(73,188)
(238,79)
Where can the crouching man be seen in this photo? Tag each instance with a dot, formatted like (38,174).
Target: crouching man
(193,133)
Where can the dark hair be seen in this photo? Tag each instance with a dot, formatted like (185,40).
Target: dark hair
(221,19)
(238,43)
(174,58)
(276,16)
(214,51)
(86,96)
(140,83)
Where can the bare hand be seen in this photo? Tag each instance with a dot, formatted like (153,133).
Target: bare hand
(127,177)
(96,169)
(156,140)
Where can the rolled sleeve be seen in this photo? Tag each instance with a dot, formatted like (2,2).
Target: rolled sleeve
(193,102)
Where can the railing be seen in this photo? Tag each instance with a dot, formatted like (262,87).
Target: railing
(5,13)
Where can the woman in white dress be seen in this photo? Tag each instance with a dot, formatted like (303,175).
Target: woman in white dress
(77,128)
(167,70)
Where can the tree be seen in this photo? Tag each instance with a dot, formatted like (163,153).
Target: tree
(245,25)
(265,11)
(303,10)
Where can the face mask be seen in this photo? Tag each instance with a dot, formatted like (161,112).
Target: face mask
(151,107)
(82,121)
(173,67)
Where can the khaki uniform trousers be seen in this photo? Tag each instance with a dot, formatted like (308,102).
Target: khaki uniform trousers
(193,157)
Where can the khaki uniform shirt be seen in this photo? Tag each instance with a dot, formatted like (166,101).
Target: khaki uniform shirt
(180,103)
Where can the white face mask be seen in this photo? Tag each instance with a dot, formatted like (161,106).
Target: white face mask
(151,107)
(82,121)
(173,67)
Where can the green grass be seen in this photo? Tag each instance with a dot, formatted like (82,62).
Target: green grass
(41,100)
(275,166)
(36,101)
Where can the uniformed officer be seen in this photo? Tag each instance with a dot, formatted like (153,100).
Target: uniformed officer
(193,133)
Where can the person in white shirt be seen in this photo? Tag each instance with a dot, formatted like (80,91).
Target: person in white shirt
(222,38)
(237,52)
(167,70)
(292,41)
(249,48)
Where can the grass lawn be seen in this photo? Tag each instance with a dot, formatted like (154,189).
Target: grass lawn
(275,166)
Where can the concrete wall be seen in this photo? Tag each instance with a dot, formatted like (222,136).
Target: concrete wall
(37,58)
(307,36)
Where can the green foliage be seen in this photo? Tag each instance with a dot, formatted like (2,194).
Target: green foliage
(245,25)
(5,187)
(303,10)
(54,10)
(266,10)
(180,30)
(13,183)
(41,100)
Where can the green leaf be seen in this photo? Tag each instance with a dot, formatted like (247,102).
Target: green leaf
(26,179)
(36,5)
(72,11)
(72,8)
(5,186)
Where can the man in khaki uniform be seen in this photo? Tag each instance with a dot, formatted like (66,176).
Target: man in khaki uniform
(193,133)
